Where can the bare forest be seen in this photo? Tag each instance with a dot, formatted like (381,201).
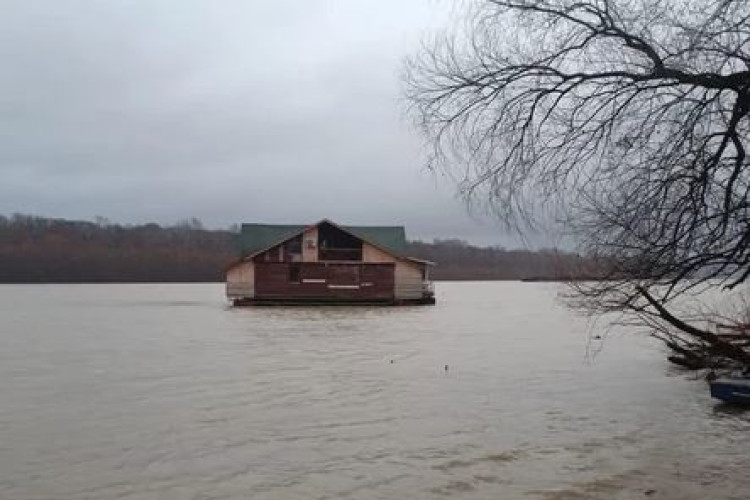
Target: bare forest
(46,250)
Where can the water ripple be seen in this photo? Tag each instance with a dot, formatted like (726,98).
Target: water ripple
(161,392)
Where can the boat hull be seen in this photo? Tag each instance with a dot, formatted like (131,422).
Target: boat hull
(731,391)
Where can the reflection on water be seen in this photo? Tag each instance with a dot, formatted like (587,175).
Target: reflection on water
(163,392)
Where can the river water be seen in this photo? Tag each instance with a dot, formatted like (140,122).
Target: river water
(164,392)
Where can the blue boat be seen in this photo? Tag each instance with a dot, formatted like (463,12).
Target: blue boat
(731,390)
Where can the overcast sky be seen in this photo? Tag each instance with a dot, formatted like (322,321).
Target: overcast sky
(228,111)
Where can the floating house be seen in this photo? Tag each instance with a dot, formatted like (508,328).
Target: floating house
(327,263)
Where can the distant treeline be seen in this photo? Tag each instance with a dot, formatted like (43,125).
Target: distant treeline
(44,250)
(457,260)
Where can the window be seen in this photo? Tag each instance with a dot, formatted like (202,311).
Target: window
(294,270)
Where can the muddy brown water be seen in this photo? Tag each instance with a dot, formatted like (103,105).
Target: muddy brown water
(163,392)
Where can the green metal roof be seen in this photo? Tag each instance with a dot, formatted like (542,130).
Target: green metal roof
(255,238)
(391,238)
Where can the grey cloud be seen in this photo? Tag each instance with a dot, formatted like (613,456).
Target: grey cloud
(228,111)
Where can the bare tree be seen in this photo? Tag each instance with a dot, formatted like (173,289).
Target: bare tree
(626,119)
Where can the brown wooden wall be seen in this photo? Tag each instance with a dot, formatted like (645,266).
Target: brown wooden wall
(241,280)
(325,280)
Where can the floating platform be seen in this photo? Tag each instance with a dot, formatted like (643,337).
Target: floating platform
(325,301)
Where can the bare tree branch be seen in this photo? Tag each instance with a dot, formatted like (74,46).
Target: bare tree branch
(628,121)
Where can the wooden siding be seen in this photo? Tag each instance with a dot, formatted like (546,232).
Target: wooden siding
(281,253)
(270,255)
(408,280)
(241,281)
(310,254)
(373,254)
(354,281)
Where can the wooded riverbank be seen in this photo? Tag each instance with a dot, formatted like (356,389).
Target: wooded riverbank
(46,250)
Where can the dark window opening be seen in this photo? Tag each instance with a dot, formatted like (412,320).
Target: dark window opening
(335,244)
(293,249)
(294,271)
